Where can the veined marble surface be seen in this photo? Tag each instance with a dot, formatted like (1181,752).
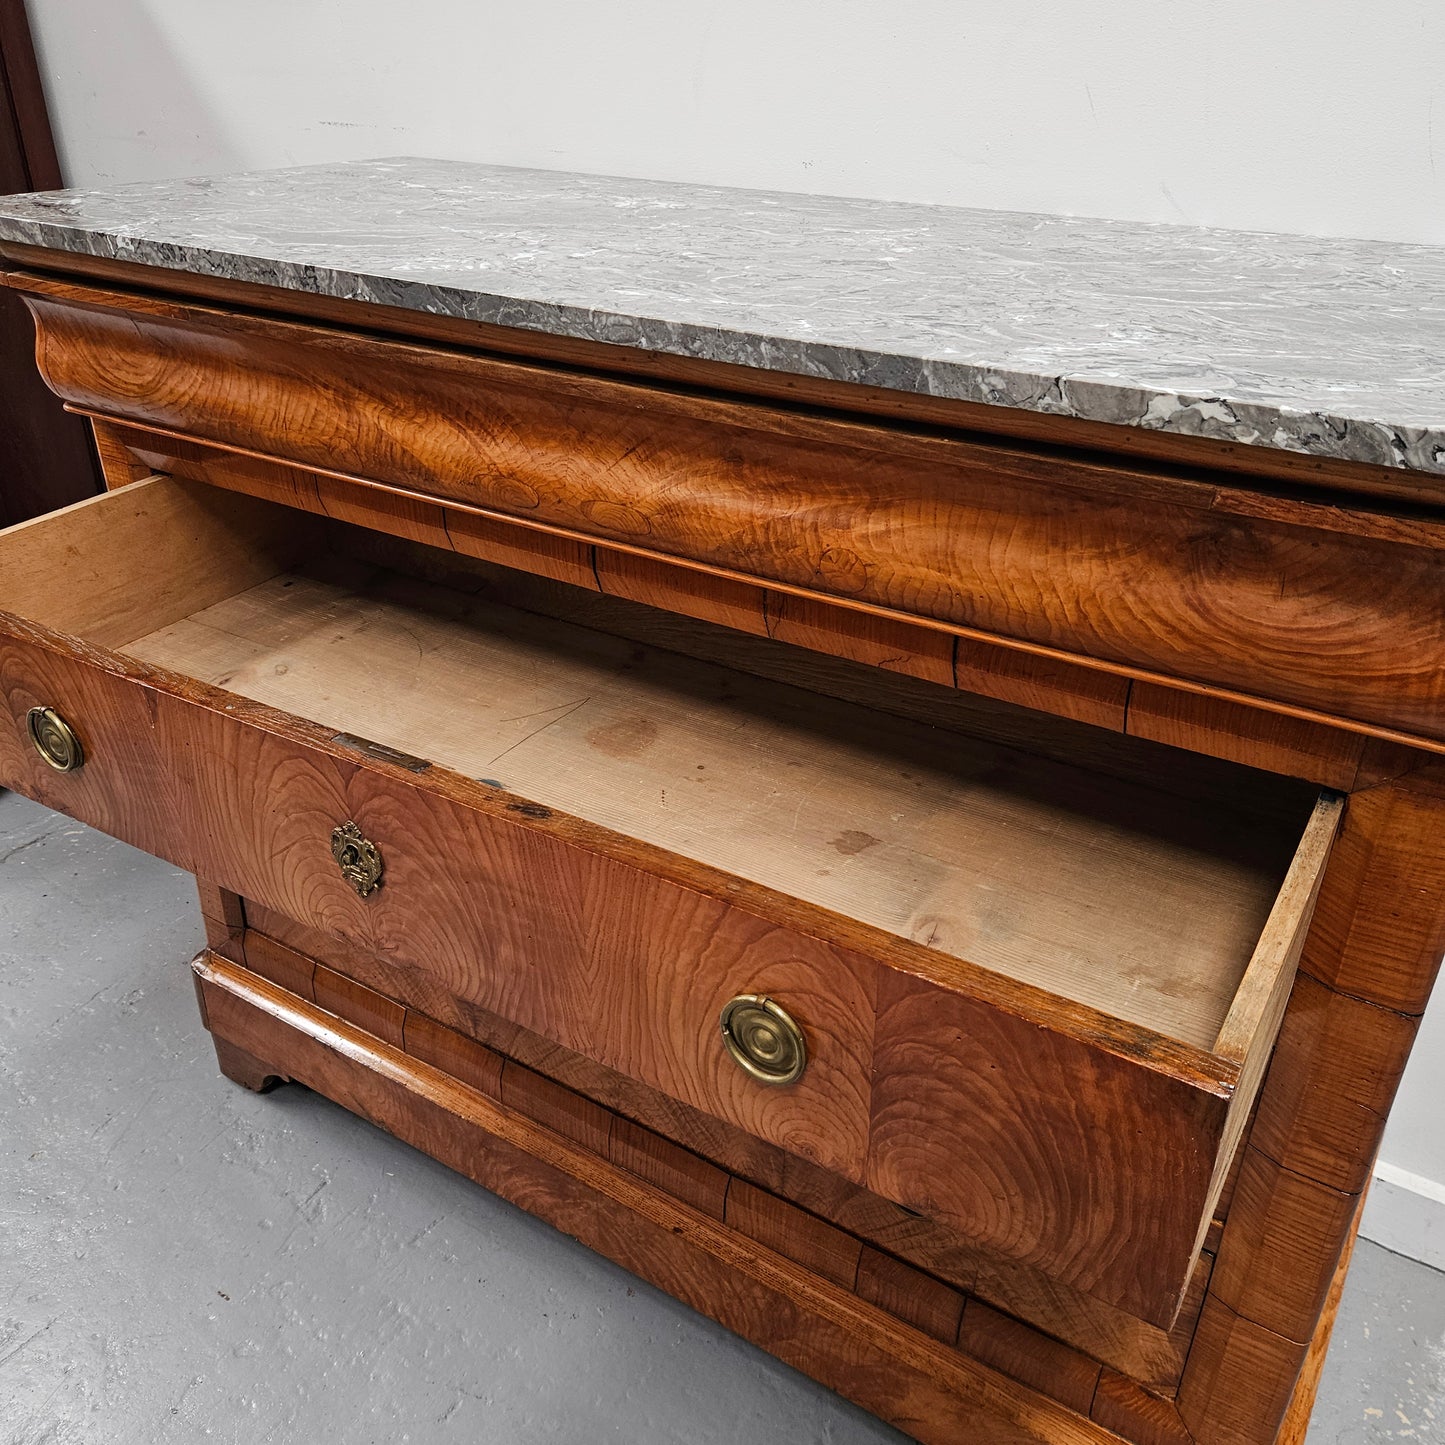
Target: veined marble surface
(1330,347)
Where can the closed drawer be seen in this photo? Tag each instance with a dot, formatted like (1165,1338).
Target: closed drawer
(1035,1002)
(1306,604)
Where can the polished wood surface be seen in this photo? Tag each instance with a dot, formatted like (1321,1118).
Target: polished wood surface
(1147,913)
(835,628)
(1193,455)
(1097,597)
(694,1154)
(1242,591)
(935,1393)
(1297,1417)
(940,1083)
(1029,1357)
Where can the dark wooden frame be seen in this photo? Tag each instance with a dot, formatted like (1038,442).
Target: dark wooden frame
(46,457)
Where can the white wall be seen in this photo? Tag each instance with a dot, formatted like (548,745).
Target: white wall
(1316,115)
(1324,116)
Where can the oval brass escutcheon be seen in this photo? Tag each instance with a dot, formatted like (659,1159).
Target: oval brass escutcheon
(54,740)
(763,1039)
(358,858)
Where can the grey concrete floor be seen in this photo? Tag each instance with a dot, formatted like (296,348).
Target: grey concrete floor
(185,1261)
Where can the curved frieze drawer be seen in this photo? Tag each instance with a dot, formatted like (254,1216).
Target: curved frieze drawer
(1298,602)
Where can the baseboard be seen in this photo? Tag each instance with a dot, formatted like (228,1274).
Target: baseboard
(1406,1213)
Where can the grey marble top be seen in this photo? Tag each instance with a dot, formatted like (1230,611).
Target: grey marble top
(1329,347)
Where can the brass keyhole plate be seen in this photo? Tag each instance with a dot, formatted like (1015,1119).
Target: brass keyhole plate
(358,858)
(763,1039)
(54,740)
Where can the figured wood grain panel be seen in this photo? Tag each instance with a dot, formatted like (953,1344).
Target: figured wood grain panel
(1379,928)
(1317,1117)
(464,1059)
(1302,1402)
(1141,1350)
(560,558)
(491,539)
(248,799)
(1239,1381)
(1046,683)
(1210,585)
(363,1006)
(935,1394)
(1241,734)
(722,600)
(416,520)
(1280,1258)
(561,1109)
(119,465)
(1146,911)
(604,958)
(926,1303)
(194,461)
(793,1232)
(1123,1406)
(1028,1357)
(1065,690)
(679,1172)
(285,967)
(903,1289)
(1002,1136)
(882,642)
(125,788)
(896,644)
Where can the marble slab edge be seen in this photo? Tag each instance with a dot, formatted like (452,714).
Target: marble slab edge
(1317,433)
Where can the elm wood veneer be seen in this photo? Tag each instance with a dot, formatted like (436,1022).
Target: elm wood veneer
(920,833)
(1041,432)
(1154,576)
(985,1335)
(536,915)
(943,1257)
(1366,968)
(913,1296)
(1297,1417)
(899,644)
(936,1394)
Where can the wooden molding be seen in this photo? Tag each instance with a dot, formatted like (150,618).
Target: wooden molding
(937,1394)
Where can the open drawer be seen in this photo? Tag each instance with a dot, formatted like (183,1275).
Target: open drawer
(1026,998)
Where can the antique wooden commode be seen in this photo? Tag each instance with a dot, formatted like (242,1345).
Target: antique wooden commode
(879,765)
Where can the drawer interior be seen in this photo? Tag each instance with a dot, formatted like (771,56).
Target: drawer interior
(1118,893)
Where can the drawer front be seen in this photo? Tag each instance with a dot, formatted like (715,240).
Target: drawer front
(1300,603)
(530,918)
(1084,1152)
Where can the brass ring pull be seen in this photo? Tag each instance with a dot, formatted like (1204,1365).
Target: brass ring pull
(358,858)
(763,1039)
(54,740)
